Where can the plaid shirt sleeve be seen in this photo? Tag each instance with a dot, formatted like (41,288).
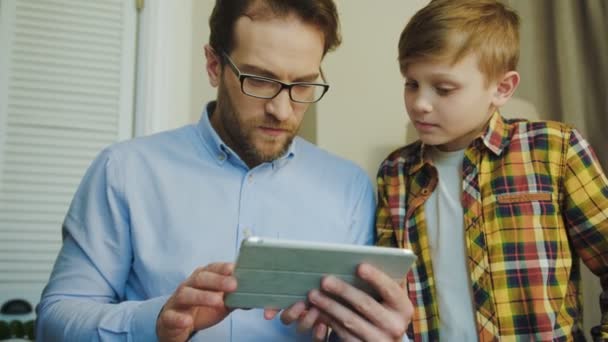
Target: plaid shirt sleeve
(586,212)
(385,235)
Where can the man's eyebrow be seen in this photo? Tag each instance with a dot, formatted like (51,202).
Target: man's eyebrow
(257,71)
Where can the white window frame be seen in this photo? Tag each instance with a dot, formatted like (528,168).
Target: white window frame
(164,66)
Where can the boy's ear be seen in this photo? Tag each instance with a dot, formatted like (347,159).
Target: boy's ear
(213,66)
(505,88)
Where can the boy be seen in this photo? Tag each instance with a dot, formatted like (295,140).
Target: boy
(499,212)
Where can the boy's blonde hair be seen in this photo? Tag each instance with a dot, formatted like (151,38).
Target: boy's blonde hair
(452,29)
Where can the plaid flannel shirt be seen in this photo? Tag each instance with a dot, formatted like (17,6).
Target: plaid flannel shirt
(535,202)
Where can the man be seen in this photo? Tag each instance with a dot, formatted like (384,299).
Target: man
(150,211)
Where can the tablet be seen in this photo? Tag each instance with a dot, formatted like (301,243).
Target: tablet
(273,273)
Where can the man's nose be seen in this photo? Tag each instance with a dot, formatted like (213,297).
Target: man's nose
(281,106)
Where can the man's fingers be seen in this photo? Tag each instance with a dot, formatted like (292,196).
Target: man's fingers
(362,303)
(172,319)
(394,297)
(208,279)
(370,317)
(319,332)
(270,314)
(343,333)
(187,297)
(292,313)
(342,316)
(197,303)
(390,291)
(391,319)
(308,319)
(223,268)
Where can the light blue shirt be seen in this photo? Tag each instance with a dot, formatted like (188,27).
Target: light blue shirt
(151,210)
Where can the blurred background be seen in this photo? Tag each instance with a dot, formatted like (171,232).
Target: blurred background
(76,76)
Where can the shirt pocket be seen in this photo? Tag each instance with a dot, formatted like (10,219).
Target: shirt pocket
(528,252)
(524,233)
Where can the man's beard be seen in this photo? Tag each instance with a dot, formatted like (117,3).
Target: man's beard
(240,134)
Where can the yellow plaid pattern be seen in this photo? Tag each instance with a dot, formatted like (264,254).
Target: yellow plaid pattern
(535,202)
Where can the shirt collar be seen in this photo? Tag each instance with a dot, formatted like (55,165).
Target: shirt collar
(495,137)
(497,134)
(421,158)
(221,151)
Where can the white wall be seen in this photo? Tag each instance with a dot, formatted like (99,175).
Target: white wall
(200,90)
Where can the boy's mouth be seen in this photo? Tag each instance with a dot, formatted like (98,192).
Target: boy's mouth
(421,125)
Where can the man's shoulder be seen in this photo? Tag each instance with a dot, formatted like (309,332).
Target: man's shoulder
(154,144)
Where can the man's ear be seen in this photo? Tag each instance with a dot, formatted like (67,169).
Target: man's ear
(213,66)
(505,88)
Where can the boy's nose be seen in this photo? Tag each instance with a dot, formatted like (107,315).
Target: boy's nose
(421,104)
(280,106)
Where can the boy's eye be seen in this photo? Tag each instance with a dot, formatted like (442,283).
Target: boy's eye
(443,91)
(411,85)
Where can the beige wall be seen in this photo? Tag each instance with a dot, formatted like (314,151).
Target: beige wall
(363,117)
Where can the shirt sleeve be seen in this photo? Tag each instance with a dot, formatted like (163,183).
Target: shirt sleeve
(363,212)
(586,211)
(385,235)
(84,299)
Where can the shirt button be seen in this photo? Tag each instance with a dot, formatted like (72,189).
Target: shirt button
(221,157)
(247,233)
(250,178)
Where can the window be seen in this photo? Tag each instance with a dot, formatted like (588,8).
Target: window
(66,91)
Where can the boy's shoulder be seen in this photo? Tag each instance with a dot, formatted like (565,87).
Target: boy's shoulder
(536,125)
(520,129)
(404,156)
(517,131)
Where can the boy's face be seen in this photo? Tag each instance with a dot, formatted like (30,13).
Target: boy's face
(448,104)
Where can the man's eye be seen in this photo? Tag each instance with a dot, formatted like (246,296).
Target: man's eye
(259,82)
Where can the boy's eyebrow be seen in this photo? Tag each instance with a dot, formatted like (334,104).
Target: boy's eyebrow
(258,71)
(442,75)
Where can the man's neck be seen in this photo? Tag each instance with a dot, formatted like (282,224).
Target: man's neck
(218,126)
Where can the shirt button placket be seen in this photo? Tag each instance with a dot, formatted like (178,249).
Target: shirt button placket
(245,228)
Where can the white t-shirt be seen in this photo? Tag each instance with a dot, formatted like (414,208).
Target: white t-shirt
(445,222)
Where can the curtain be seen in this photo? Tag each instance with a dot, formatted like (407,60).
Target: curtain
(564,64)
(564,69)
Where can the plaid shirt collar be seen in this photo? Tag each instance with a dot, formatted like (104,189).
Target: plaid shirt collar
(495,138)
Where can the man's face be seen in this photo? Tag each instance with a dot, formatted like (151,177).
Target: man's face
(449,105)
(286,49)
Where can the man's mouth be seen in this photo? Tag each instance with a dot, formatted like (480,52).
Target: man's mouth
(273,131)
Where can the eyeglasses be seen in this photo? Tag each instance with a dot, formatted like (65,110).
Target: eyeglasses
(268,88)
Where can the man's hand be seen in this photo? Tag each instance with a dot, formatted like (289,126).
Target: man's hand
(306,318)
(370,320)
(198,303)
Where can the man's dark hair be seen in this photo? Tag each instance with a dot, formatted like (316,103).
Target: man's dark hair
(321,13)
